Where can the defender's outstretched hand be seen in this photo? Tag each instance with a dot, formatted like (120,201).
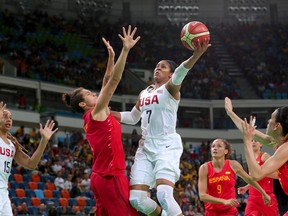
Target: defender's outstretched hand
(109,48)
(248,130)
(128,37)
(228,105)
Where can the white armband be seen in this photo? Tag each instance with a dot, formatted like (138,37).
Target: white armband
(131,117)
(179,74)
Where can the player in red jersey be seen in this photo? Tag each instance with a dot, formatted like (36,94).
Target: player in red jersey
(103,132)
(217,180)
(276,136)
(255,205)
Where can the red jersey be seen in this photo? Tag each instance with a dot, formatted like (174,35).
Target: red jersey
(105,140)
(266,183)
(221,185)
(283,177)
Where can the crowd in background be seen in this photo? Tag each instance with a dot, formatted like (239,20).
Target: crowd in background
(261,51)
(63,51)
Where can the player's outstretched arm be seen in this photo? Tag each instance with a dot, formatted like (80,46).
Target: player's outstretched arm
(174,84)
(129,117)
(108,90)
(259,136)
(110,62)
(32,162)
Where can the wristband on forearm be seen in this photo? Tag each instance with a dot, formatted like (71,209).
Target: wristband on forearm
(131,117)
(179,74)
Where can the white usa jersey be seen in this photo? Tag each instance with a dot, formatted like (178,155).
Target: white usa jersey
(7,153)
(158,112)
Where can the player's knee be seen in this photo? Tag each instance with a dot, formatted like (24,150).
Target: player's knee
(140,201)
(164,193)
(166,199)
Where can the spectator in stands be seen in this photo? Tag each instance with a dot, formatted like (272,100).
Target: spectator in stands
(219,197)
(76,136)
(85,182)
(64,210)
(43,210)
(22,104)
(52,210)
(191,192)
(189,211)
(13,150)
(68,162)
(22,209)
(103,133)
(78,210)
(199,211)
(59,181)
(57,166)
(68,182)
(45,167)
(20,132)
(33,134)
(75,190)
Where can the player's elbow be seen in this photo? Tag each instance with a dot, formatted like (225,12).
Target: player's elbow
(202,196)
(32,166)
(253,178)
(256,177)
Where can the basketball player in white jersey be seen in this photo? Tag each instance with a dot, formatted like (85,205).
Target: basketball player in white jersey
(160,148)
(10,149)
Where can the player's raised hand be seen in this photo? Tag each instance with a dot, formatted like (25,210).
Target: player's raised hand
(128,37)
(228,105)
(109,48)
(201,47)
(47,131)
(248,130)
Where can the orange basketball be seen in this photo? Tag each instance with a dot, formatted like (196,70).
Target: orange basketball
(192,32)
